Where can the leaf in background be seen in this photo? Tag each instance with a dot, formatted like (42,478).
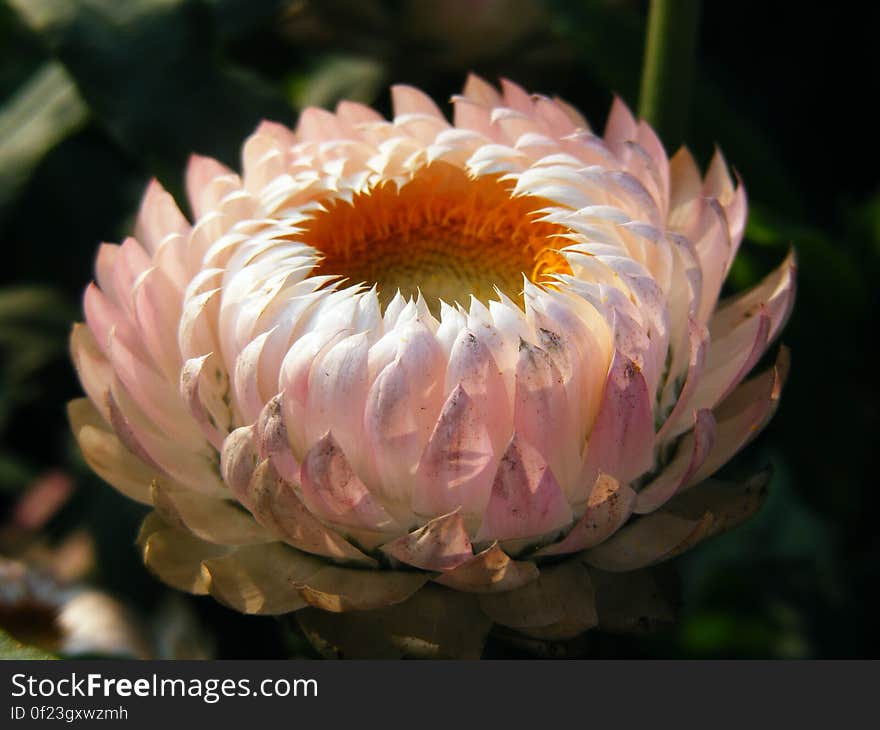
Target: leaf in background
(823,264)
(355,78)
(237,17)
(33,328)
(12,649)
(33,332)
(42,113)
(14,473)
(20,53)
(153,76)
(610,42)
(745,591)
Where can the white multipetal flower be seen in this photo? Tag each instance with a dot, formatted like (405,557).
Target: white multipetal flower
(398,351)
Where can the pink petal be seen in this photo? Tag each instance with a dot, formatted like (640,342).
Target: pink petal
(272,441)
(200,173)
(489,571)
(742,416)
(130,263)
(319,125)
(158,398)
(247,386)
(158,217)
(713,247)
(94,370)
(410,100)
(620,127)
(691,455)
(481,92)
(526,500)
(609,506)
(402,408)
(264,159)
(331,489)
(353,113)
(282,135)
(686,183)
(193,465)
(472,365)
(573,114)
(275,505)
(294,382)
(440,545)
(776,292)
(238,459)
(157,307)
(650,142)
(469,115)
(105,262)
(622,441)
(458,465)
(698,337)
(541,413)
(730,359)
(337,392)
(203,387)
(197,330)
(554,118)
(515,97)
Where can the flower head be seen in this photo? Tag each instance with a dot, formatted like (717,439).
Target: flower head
(398,352)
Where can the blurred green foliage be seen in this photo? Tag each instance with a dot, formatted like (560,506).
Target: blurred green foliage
(96,96)
(12,649)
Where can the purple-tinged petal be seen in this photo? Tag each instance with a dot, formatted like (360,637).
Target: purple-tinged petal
(332,491)
(272,440)
(541,412)
(526,500)
(274,504)
(609,506)
(622,440)
(691,455)
(742,416)
(698,338)
(472,365)
(458,464)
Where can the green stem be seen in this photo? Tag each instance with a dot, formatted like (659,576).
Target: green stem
(668,71)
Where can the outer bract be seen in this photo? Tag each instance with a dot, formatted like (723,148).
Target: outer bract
(395,360)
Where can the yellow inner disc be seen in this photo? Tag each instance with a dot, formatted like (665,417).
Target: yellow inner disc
(443,233)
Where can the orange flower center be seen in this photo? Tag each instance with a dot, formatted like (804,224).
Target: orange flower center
(442,233)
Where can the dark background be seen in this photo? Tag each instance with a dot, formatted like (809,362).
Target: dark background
(97,96)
